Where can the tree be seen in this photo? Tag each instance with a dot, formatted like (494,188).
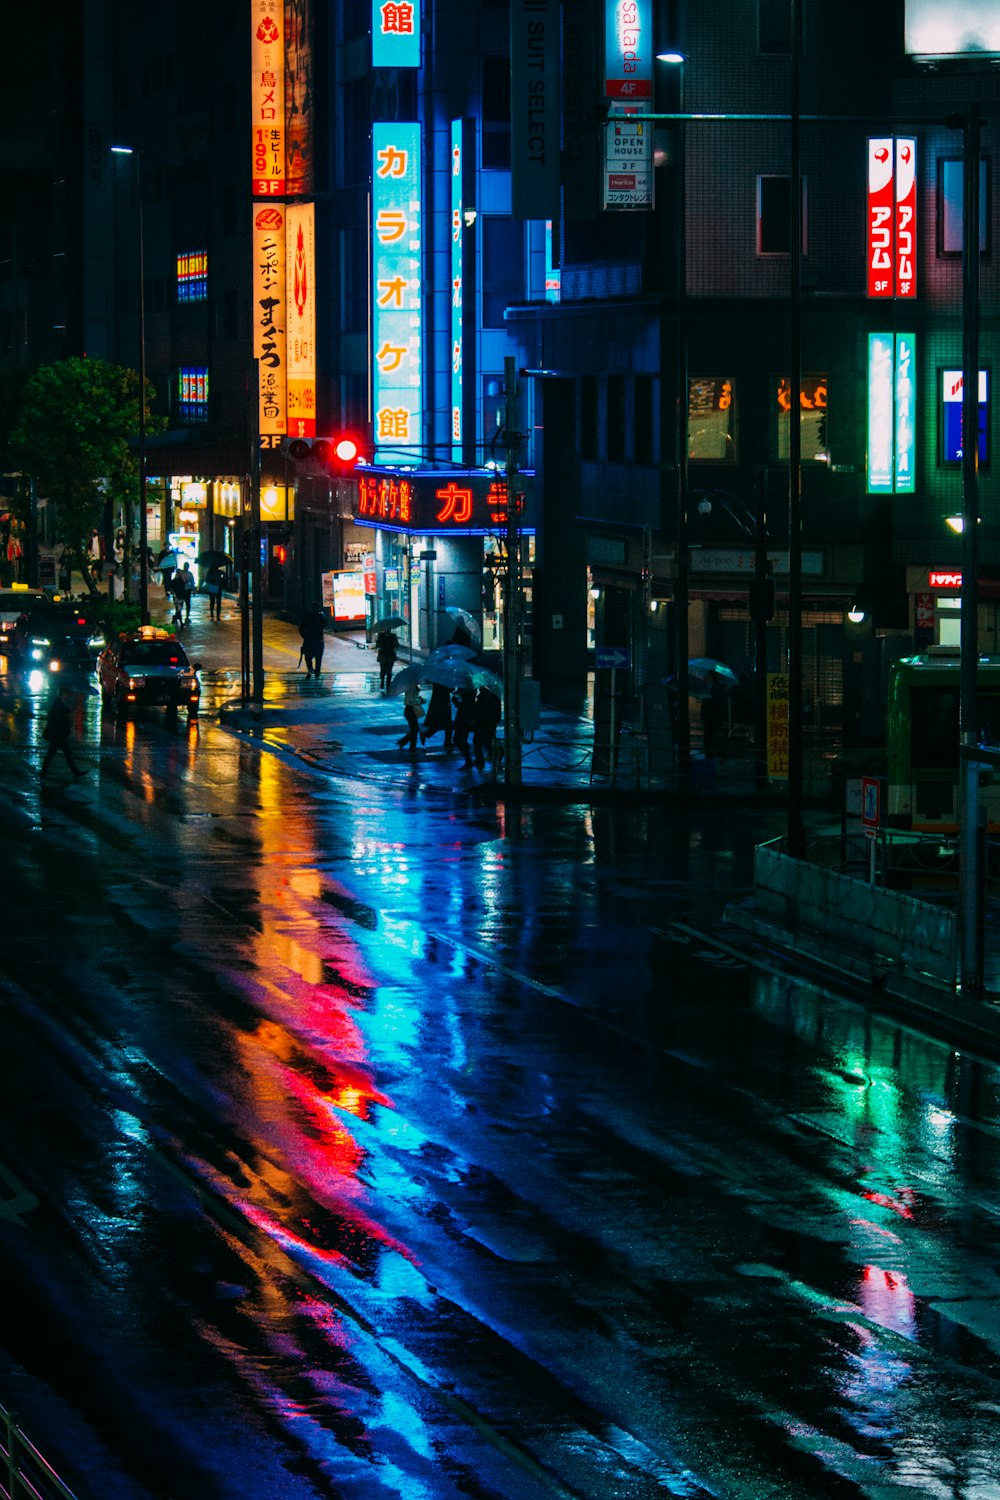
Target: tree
(71,433)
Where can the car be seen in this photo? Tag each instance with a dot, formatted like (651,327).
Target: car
(53,636)
(13,603)
(145,668)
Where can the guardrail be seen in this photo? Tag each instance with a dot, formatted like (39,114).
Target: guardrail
(24,1473)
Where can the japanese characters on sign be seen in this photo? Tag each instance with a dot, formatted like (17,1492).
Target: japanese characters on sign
(891,413)
(777,725)
(432,503)
(300,94)
(301,319)
(397,346)
(268,97)
(269,315)
(952,389)
(395,33)
(628,163)
(457,275)
(892,217)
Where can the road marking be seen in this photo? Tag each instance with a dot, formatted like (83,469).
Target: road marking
(21,1200)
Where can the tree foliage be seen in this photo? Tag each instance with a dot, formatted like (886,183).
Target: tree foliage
(71,433)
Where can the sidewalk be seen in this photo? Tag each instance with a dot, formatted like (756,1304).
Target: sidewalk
(344,725)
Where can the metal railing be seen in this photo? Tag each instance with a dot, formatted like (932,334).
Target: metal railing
(24,1473)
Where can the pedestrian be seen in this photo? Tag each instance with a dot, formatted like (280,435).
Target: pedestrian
(486,718)
(165,566)
(385,655)
(413,712)
(57,730)
(214,580)
(465,722)
(65,570)
(438,715)
(187,590)
(178,593)
(95,555)
(313,632)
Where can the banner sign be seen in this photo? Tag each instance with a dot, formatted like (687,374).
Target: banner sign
(457,287)
(628,49)
(300,94)
(269,346)
(397,335)
(891,413)
(395,33)
(628,163)
(268,97)
(777,725)
(436,504)
(892,216)
(535,98)
(300,338)
(952,387)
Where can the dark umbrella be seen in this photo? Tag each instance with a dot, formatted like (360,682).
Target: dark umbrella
(390,622)
(214,560)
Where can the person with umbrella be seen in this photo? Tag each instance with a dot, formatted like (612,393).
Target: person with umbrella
(465,722)
(438,714)
(215,579)
(313,632)
(486,718)
(413,708)
(385,654)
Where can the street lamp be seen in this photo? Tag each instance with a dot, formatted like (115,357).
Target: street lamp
(143,530)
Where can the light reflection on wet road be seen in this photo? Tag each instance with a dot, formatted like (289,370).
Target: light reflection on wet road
(386,1146)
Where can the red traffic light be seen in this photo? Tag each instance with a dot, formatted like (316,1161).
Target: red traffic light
(337,454)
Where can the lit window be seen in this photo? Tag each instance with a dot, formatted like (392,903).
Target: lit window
(192,276)
(950,206)
(192,394)
(711,421)
(812,424)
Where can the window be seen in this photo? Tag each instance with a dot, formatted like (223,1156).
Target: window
(496,113)
(774,211)
(952,414)
(192,276)
(812,420)
(644,420)
(192,394)
(588,417)
(950,206)
(616,418)
(711,420)
(503,267)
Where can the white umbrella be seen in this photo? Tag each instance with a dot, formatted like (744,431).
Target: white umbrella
(467,621)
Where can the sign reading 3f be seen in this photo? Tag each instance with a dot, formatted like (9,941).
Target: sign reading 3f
(892,216)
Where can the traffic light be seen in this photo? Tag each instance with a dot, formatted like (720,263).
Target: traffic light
(337,455)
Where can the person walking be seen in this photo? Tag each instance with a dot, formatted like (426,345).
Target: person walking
(312,629)
(57,731)
(413,711)
(385,655)
(465,722)
(187,584)
(214,581)
(486,718)
(438,714)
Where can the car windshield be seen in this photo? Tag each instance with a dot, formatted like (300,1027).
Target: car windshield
(154,654)
(54,621)
(14,604)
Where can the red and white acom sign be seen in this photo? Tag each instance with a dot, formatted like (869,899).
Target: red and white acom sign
(892,216)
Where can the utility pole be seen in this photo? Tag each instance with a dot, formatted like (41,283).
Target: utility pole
(970,874)
(512,659)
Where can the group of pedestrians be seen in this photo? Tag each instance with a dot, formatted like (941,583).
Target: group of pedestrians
(469,713)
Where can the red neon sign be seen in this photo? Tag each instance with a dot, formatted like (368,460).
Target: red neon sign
(944,578)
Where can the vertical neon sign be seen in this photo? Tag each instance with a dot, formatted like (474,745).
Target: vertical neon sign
(891,413)
(395,33)
(892,217)
(457,275)
(397,332)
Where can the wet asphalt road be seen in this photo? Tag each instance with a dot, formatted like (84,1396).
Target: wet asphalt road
(359,1140)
